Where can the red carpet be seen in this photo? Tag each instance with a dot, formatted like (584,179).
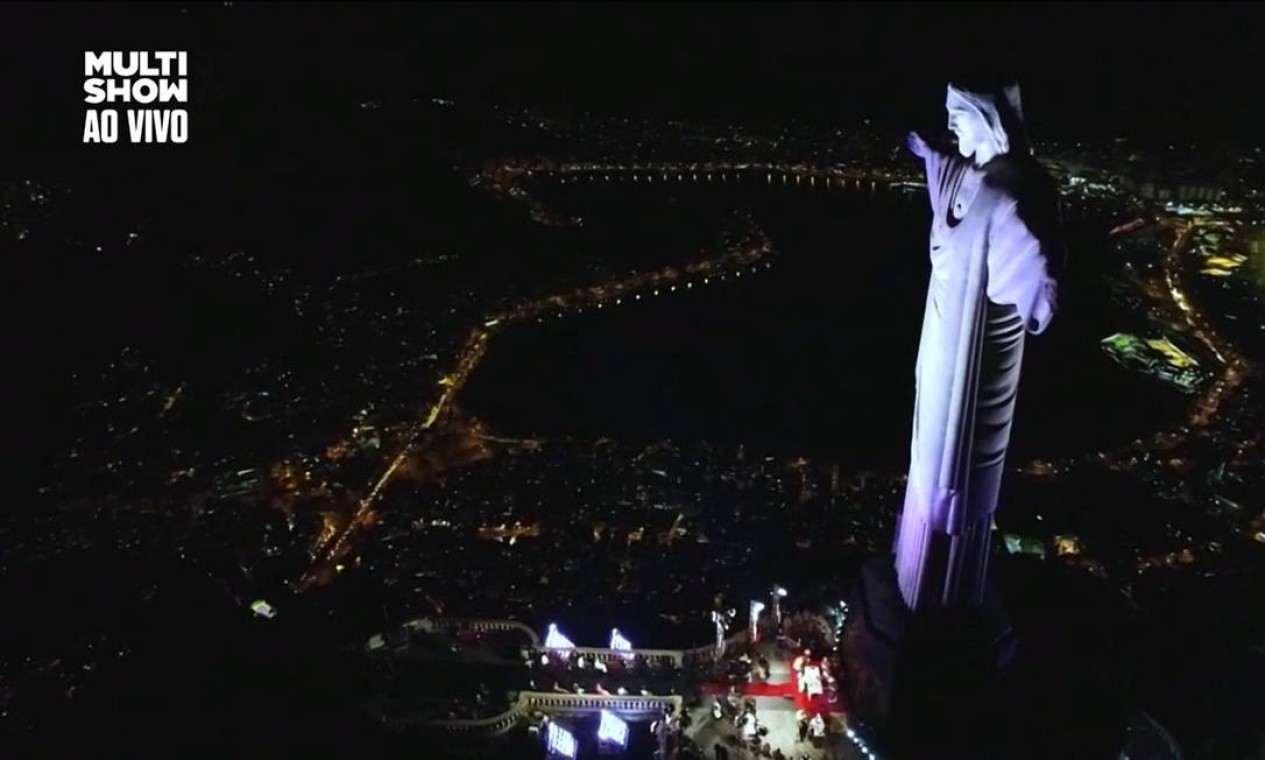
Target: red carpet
(819,704)
(754,690)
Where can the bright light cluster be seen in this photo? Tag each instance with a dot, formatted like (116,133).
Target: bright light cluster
(619,643)
(843,622)
(561,742)
(753,618)
(555,640)
(612,729)
(856,739)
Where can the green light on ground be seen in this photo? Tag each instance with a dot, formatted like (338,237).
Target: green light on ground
(1121,341)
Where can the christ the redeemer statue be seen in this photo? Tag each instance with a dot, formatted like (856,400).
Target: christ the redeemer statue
(993,236)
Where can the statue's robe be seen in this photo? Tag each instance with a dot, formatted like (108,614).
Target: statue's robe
(990,285)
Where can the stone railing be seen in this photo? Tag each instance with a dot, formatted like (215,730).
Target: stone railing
(491,726)
(555,703)
(552,702)
(498,724)
(549,703)
(708,651)
(676,657)
(448,624)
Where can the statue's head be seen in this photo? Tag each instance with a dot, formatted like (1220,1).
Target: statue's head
(987,124)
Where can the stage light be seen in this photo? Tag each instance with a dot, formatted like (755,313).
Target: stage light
(618,642)
(561,742)
(754,619)
(555,640)
(612,729)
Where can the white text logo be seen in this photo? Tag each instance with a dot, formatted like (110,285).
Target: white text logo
(147,85)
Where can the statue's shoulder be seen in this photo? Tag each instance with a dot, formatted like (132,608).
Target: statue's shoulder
(1027,188)
(1020,178)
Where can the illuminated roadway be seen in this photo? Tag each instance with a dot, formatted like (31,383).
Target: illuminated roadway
(749,252)
(1234,366)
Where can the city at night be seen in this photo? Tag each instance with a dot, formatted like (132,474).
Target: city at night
(680,381)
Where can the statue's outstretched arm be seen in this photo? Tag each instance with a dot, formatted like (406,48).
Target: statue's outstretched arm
(934,160)
(917,145)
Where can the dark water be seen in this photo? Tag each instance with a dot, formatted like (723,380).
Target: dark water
(812,356)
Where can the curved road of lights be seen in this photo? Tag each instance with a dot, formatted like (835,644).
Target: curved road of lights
(750,252)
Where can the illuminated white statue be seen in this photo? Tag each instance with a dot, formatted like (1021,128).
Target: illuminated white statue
(994,228)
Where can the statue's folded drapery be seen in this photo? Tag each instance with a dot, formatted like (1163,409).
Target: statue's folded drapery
(990,284)
(1017,272)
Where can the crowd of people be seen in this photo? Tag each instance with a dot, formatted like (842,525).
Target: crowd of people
(569,672)
(742,716)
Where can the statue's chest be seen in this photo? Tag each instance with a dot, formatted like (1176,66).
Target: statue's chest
(962,201)
(962,205)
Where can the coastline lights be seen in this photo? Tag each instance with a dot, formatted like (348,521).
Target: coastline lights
(555,640)
(560,742)
(619,643)
(612,729)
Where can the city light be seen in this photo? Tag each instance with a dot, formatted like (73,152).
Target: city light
(393,468)
(263,609)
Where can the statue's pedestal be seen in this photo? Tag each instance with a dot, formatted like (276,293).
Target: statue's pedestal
(960,686)
(929,683)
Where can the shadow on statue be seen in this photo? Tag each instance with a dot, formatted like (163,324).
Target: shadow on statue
(971,684)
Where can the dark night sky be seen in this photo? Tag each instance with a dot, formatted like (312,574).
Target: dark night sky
(1181,71)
